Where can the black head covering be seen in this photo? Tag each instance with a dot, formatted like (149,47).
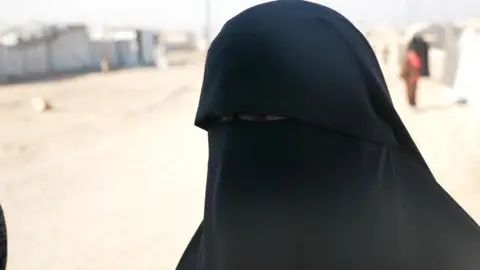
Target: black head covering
(340,183)
(3,241)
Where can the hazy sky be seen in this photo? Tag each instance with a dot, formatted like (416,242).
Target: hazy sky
(191,13)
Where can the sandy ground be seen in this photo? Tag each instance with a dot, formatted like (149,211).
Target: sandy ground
(113,177)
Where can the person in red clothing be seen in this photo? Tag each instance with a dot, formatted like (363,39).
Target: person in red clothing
(411,73)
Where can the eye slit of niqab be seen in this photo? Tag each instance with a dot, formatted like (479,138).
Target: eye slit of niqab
(250,117)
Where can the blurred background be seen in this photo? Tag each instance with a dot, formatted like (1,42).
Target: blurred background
(100,165)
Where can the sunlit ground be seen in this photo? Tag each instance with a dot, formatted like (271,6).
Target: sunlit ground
(113,177)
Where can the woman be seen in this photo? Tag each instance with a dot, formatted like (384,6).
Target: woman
(310,166)
(411,73)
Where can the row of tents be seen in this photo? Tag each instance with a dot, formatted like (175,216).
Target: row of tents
(41,50)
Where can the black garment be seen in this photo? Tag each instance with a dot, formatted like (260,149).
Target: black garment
(421,47)
(340,184)
(3,241)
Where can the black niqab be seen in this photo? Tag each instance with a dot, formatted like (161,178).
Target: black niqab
(3,241)
(340,183)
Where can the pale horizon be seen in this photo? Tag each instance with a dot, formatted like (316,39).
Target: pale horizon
(190,14)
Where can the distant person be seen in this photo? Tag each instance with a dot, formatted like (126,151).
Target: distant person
(422,48)
(385,54)
(310,166)
(411,74)
(3,241)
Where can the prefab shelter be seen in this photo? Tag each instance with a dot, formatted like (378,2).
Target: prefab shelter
(125,45)
(24,52)
(39,50)
(11,62)
(147,42)
(3,66)
(127,52)
(70,49)
(35,58)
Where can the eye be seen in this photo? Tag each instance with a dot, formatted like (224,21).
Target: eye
(249,117)
(224,119)
(254,117)
(274,118)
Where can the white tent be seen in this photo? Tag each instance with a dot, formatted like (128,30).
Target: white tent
(414,29)
(467,84)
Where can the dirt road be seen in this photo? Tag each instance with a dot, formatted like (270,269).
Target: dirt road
(113,177)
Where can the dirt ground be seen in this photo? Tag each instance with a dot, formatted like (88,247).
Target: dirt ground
(113,177)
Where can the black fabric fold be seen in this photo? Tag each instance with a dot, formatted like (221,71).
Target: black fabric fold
(3,241)
(338,185)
